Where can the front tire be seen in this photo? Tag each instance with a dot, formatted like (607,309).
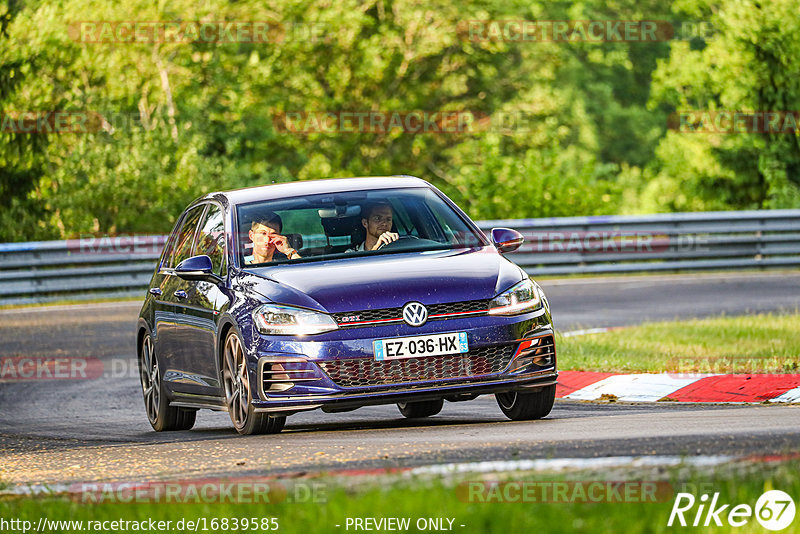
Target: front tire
(417,410)
(238,394)
(161,415)
(519,406)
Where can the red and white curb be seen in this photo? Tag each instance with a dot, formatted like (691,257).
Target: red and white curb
(646,387)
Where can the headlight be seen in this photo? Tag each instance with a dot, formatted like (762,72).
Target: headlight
(288,321)
(523,297)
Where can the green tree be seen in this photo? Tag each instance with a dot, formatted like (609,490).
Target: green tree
(748,64)
(21,162)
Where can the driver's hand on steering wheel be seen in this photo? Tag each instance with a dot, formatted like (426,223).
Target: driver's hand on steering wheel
(385,239)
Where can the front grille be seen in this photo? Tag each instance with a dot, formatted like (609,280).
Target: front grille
(369,315)
(459,307)
(361,372)
(364,317)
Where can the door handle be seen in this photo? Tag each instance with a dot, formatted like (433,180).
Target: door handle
(181,294)
(155,291)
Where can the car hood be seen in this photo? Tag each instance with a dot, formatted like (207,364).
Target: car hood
(385,281)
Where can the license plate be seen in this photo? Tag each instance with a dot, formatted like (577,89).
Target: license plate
(418,346)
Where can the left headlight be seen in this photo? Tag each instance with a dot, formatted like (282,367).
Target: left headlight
(275,319)
(521,298)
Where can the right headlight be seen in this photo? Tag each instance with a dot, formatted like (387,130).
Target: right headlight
(521,298)
(277,319)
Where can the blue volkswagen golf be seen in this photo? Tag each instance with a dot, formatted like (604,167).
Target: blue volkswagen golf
(338,294)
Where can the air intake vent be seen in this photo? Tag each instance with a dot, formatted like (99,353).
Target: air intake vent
(280,374)
(539,352)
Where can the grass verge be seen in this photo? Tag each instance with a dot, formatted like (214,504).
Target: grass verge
(447,499)
(764,343)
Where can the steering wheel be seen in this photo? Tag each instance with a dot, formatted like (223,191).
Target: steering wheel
(402,241)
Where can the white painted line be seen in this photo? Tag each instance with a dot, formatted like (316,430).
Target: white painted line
(793,395)
(586,331)
(560,464)
(636,388)
(36,489)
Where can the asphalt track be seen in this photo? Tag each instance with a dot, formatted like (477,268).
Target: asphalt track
(67,431)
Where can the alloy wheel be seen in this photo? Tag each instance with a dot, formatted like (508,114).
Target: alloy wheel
(151,382)
(237,384)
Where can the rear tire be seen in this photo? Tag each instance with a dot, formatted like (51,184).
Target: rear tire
(238,394)
(519,406)
(417,410)
(161,415)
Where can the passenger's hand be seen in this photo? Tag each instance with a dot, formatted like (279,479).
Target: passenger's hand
(385,239)
(282,244)
(279,242)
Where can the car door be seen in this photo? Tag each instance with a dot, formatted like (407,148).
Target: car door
(197,313)
(163,308)
(173,297)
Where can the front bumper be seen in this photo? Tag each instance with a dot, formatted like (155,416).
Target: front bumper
(344,401)
(294,378)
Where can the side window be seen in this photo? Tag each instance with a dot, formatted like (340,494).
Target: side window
(183,245)
(211,239)
(169,246)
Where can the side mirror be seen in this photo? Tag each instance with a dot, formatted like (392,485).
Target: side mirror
(197,268)
(506,239)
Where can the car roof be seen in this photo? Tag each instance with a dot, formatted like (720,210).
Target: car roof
(314,187)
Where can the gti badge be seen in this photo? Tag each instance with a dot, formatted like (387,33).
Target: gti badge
(415,314)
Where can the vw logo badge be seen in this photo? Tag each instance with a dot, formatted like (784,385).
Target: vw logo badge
(415,314)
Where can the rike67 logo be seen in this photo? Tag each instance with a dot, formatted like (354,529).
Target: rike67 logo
(774,510)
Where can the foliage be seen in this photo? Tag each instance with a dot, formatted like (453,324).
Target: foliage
(184,118)
(748,64)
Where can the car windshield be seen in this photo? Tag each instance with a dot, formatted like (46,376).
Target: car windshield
(337,225)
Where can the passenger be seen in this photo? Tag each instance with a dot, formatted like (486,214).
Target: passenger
(377,219)
(268,243)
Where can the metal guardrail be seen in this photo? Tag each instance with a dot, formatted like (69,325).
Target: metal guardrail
(88,268)
(121,267)
(656,243)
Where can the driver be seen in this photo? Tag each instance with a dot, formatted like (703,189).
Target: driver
(265,233)
(377,220)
